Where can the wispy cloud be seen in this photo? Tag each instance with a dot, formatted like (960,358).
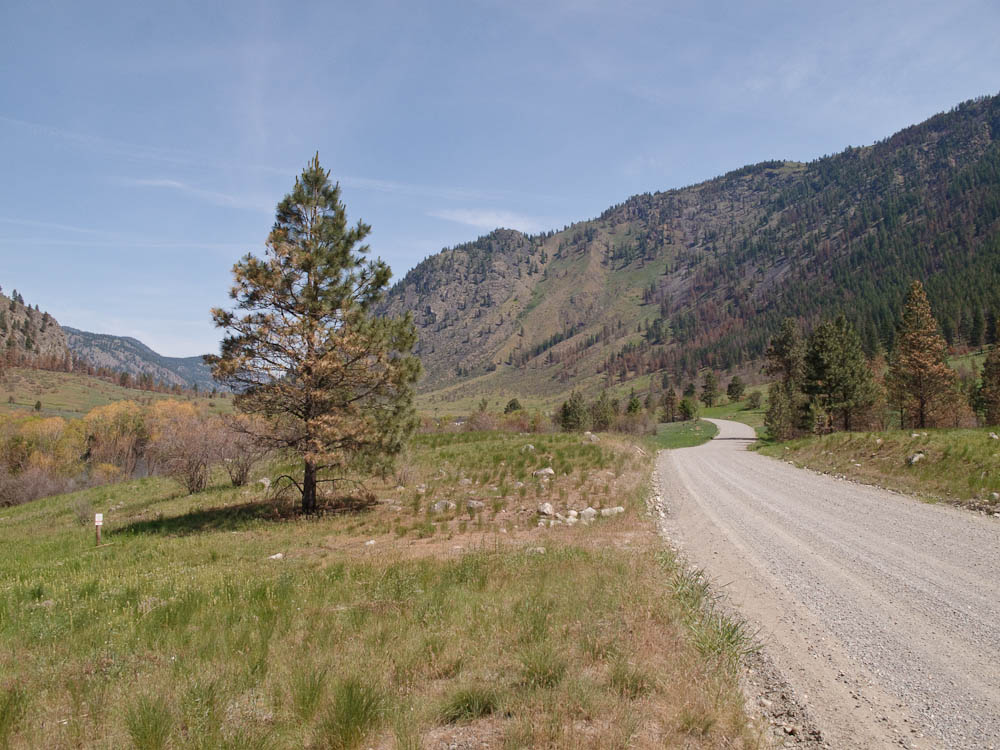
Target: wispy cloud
(492,219)
(211,196)
(183,158)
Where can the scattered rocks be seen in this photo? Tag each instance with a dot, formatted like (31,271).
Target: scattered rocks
(588,515)
(465,481)
(572,514)
(994,436)
(918,456)
(548,471)
(537,550)
(474,505)
(589,437)
(442,506)
(370,543)
(608,512)
(995,496)
(546,509)
(528,448)
(277,556)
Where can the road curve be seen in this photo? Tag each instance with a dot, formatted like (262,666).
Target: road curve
(882,612)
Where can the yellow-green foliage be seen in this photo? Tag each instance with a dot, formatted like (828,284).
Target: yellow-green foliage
(183,632)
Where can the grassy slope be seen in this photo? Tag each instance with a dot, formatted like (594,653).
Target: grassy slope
(451,626)
(682,434)
(961,466)
(72,395)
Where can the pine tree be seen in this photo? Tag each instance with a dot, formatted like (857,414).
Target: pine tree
(304,349)
(836,375)
(989,393)
(735,389)
(668,404)
(709,389)
(919,377)
(602,413)
(573,413)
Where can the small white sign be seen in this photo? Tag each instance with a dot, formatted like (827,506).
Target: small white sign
(98,519)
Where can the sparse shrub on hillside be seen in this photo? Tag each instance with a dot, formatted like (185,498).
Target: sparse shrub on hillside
(238,449)
(183,443)
(512,406)
(116,434)
(688,409)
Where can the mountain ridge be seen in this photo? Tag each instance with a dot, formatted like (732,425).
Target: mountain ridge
(701,276)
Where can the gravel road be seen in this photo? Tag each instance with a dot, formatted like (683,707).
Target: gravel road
(881,612)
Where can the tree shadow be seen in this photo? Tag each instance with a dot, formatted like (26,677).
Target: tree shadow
(237,517)
(224,518)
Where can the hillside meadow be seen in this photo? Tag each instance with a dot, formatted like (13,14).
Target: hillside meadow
(69,395)
(442,610)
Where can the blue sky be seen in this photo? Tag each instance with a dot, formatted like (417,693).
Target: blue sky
(143,146)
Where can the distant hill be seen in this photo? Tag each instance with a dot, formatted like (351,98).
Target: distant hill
(28,335)
(125,354)
(702,276)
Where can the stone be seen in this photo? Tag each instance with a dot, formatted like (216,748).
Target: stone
(442,506)
(546,509)
(915,458)
(370,543)
(572,521)
(465,481)
(528,448)
(588,515)
(475,505)
(548,471)
(878,441)
(537,550)
(572,514)
(995,496)
(264,482)
(277,556)
(914,434)
(994,436)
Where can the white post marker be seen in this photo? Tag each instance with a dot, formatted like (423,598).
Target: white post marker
(98,523)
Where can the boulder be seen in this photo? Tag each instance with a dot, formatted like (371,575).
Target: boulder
(918,456)
(442,506)
(548,471)
(588,515)
(546,509)
(608,512)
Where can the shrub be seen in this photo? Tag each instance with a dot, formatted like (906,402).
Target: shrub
(356,710)
(469,703)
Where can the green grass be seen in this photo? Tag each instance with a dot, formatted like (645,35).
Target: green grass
(69,395)
(182,632)
(958,465)
(739,412)
(682,434)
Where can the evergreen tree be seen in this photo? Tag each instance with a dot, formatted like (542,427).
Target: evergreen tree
(669,405)
(786,356)
(989,393)
(304,349)
(512,406)
(919,377)
(602,413)
(709,389)
(836,376)
(573,413)
(634,405)
(780,417)
(688,409)
(735,389)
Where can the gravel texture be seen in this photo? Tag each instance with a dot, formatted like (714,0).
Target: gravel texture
(881,612)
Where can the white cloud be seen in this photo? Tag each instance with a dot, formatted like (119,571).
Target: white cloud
(211,196)
(492,219)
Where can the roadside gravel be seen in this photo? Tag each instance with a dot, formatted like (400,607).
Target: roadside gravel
(881,612)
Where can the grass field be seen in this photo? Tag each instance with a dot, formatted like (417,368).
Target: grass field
(442,614)
(70,395)
(682,434)
(960,466)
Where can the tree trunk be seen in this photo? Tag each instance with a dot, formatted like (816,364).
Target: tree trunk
(309,488)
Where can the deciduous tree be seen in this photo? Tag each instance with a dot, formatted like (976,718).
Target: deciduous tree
(306,351)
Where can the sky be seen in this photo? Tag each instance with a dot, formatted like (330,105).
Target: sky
(144,146)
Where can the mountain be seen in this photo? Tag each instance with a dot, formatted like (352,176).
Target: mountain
(702,276)
(125,354)
(28,335)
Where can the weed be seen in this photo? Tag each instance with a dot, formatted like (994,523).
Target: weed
(13,705)
(307,688)
(628,680)
(357,709)
(469,703)
(149,722)
(542,666)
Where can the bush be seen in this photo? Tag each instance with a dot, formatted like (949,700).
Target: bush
(754,400)
(183,443)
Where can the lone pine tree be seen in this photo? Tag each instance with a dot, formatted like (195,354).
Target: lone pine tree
(920,380)
(304,349)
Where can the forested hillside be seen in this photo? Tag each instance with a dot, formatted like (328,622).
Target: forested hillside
(702,276)
(128,355)
(29,336)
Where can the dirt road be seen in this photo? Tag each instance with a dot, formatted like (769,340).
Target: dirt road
(882,612)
